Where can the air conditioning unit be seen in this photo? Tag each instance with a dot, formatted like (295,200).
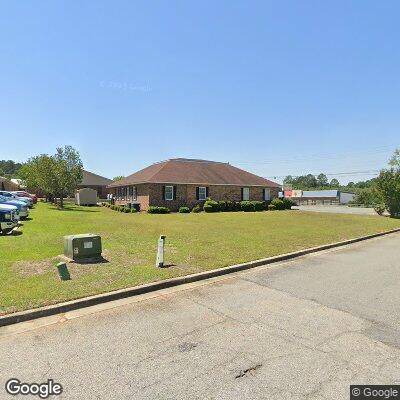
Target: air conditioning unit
(83,246)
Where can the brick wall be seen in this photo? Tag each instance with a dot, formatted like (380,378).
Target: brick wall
(152,194)
(186,195)
(142,196)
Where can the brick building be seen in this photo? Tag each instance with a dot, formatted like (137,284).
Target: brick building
(186,182)
(96,182)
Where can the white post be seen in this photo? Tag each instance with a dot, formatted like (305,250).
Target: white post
(160,252)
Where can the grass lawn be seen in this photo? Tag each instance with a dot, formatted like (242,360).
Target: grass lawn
(195,242)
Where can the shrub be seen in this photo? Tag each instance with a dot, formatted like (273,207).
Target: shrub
(252,206)
(196,209)
(237,206)
(229,206)
(127,210)
(184,210)
(287,203)
(379,208)
(133,210)
(259,206)
(247,206)
(271,207)
(222,205)
(278,203)
(158,210)
(211,206)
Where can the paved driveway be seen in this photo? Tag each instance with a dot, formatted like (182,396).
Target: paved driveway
(304,329)
(338,209)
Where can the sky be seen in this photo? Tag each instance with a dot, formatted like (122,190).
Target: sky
(274,87)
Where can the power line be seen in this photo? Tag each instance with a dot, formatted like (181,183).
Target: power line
(353,173)
(320,156)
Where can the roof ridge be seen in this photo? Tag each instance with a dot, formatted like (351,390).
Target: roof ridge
(100,176)
(196,160)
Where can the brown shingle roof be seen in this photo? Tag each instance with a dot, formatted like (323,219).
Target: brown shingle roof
(186,171)
(91,179)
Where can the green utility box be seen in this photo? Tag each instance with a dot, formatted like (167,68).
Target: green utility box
(86,245)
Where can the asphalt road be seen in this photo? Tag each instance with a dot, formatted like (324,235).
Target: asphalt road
(337,209)
(304,329)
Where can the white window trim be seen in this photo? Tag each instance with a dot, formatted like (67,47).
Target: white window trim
(248,194)
(205,193)
(172,192)
(267,190)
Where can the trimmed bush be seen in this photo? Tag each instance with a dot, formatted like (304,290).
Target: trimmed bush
(278,203)
(196,209)
(133,210)
(158,210)
(246,206)
(184,210)
(127,210)
(259,206)
(287,203)
(249,206)
(271,207)
(237,206)
(229,206)
(211,206)
(222,206)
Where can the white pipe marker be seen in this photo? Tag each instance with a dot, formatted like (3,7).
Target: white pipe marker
(160,252)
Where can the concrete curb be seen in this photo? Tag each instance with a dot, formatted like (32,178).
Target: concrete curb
(151,287)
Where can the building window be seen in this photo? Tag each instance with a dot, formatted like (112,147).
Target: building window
(245,194)
(132,192)
(267,194)
(169,192)
(202,193)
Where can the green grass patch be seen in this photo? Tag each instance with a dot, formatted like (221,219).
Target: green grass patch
(195,242)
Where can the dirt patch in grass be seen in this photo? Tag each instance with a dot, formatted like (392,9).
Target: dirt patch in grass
(32,268)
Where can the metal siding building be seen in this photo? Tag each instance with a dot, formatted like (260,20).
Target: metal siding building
(308,197)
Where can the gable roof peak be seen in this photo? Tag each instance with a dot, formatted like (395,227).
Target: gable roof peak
(191,160)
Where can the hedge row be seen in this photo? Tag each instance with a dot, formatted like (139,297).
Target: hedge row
(217,206)
(247,206)
(119,208)
(158,210)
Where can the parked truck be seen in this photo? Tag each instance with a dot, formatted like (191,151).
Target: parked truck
(21,206)
(8,218)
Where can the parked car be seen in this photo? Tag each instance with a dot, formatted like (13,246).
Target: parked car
(22,193)
(13,196)
(21,205)
(8,218)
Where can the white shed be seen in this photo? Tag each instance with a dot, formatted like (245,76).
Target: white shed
(86,197)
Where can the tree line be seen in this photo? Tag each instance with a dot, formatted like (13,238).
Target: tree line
(321,181)
(9,168)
